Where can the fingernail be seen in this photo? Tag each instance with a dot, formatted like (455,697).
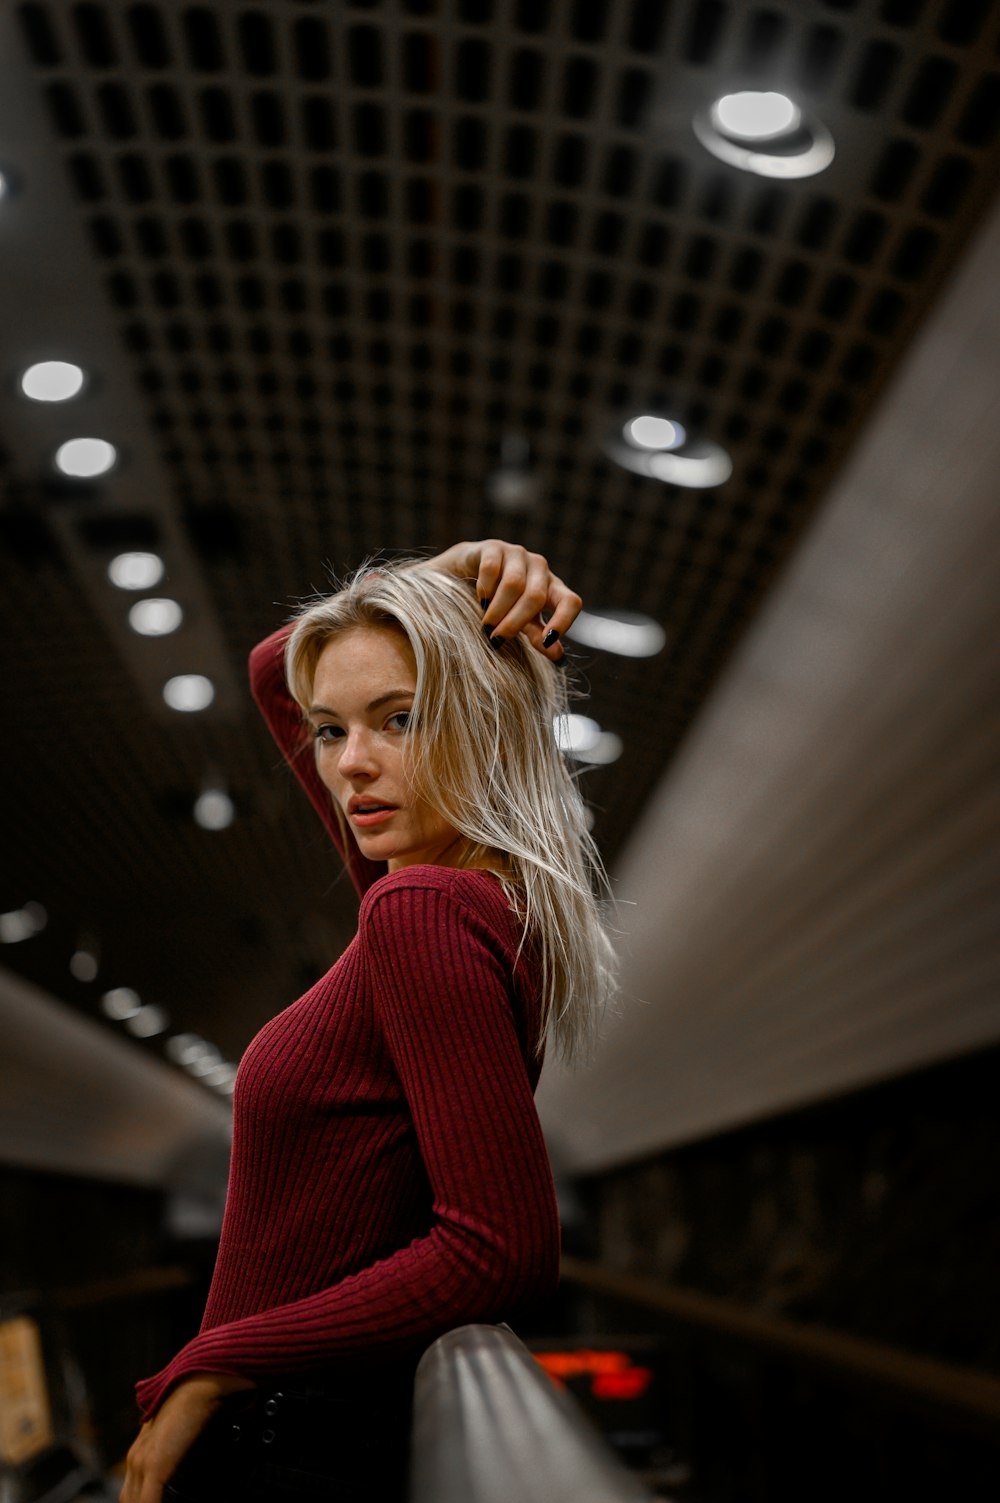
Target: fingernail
(483,604)
(550,637)
(496,643)
(562,662)
(487,629)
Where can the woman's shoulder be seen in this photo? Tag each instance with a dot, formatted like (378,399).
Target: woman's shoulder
(456,880)
(465,887)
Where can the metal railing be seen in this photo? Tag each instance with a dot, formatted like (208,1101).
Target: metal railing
(490,1427)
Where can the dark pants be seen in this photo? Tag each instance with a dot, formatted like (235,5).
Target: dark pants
(292,1442)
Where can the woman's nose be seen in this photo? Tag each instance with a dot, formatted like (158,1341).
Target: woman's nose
(358,754)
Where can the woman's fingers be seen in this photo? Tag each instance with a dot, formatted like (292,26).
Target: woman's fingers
(519,588)
(519,591)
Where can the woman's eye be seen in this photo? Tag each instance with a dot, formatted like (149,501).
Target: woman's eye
(401,721)
(328,732)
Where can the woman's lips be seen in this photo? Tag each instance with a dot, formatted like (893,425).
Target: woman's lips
(376,817)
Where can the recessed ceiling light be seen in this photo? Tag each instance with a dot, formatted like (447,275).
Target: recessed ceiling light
(607,749)
(83,458)
(627,633)
(147,1022)
(136,571)
(753,116)
(695,464)
(121,1003)
(52,381)
(155,618)
(705,466)
(185,1047)
(22,923)
(576,733)
(214,809)
(205,1063)
(765,133)
(221,1076)
(648,432)
(189,692)
(83,965)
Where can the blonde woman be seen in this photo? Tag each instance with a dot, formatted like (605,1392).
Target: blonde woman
(389,1179)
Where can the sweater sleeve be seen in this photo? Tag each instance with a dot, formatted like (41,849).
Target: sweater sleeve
(493,1242)
(284,721)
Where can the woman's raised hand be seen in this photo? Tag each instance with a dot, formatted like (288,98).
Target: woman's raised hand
(518,588)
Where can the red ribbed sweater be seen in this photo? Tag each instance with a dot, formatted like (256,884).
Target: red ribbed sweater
(389,1179)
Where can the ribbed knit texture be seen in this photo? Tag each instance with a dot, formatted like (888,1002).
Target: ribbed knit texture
(389,1178)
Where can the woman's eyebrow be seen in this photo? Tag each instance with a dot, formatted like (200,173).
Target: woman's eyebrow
(376,704)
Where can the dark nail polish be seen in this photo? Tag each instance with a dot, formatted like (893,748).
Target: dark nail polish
(562,662)
(483,604)
(550,636)
(487,629)
(496,643)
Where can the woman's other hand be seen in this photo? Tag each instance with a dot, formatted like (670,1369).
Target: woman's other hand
(165,1440)
(518,587)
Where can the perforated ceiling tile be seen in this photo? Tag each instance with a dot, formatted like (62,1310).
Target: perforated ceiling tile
(344,250)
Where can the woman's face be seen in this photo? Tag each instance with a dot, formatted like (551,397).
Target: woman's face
(362,693)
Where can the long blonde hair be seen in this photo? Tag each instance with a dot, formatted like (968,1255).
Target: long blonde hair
(485,757)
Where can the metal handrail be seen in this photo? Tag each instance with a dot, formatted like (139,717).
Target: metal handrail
(490,1427)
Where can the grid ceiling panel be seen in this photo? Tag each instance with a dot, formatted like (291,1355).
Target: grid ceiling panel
(346,249)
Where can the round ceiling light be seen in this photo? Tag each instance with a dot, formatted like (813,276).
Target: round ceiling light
(147,1022)
(626,633)
(214,809)
(83,458)
(607,749)
(155,618)
(189,692)
(185,1047)
(52,381)
(83,965)
(121,1003)
(22,923)
(136,571)
(576,733)
(649,432)
(693,463)
(765,133)
(753,116)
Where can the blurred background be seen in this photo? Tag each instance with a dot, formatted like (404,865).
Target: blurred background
(700,299)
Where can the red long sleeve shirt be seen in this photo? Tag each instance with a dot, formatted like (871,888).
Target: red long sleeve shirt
(389,1179)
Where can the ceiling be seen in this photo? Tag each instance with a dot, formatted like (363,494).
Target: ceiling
(319,261)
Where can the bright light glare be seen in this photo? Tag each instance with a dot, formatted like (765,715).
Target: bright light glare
(136,571)
(205,1064)
(83,458)
(52,381)
(694,472)
(147,1022)
(155,618)
(183,1048)
(624,632)
(608,749)
(189,691)
(575,733)
(756,117)
(214,809)
(22,923)
(83,965)
(654,433)
(121,1003)
(221,1076)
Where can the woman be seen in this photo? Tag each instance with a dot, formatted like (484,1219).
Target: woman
(389,1179)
